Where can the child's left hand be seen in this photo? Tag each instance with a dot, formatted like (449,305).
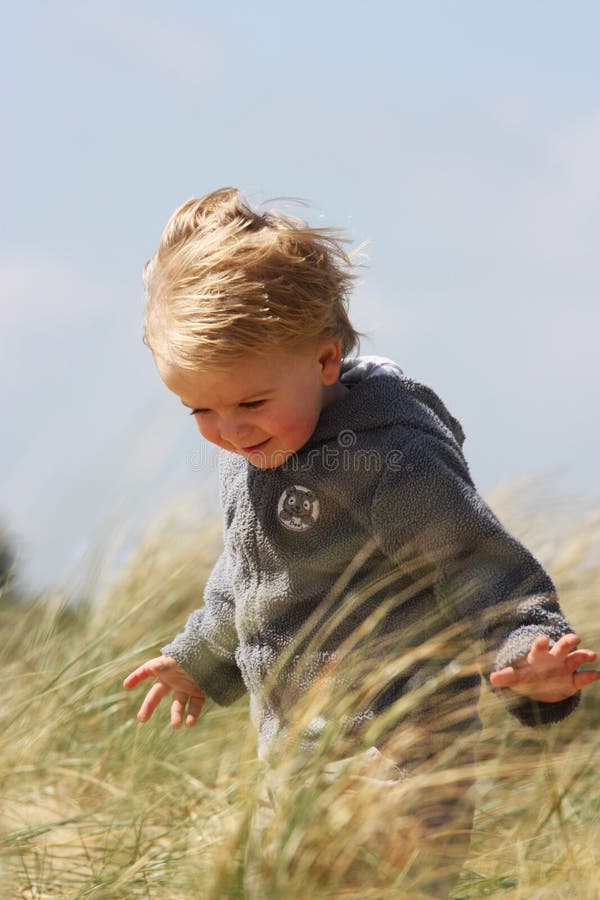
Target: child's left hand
(549,675)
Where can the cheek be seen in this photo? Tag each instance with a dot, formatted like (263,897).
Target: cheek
(208,429)
(295,428)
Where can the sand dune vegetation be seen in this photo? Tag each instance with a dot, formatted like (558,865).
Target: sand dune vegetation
(96,805)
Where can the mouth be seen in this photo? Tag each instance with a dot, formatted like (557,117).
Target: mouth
(256,448)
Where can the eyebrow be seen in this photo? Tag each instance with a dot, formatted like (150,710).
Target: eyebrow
(255,395)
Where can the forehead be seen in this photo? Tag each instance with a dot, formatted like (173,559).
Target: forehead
(239,381)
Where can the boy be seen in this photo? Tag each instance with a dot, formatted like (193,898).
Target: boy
(358,556)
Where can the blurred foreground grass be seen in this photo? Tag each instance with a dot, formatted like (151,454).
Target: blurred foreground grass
(95,805)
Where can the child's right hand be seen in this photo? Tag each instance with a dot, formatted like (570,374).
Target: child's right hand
(169,677)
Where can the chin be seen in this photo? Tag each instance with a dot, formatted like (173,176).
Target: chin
(271,460)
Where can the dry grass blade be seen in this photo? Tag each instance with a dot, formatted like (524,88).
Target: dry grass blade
(94,805)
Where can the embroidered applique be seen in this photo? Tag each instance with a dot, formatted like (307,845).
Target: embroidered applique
(298,508)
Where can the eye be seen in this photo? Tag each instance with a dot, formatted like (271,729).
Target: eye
(249,404)
(253,404)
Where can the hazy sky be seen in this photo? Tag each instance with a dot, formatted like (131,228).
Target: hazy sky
(461,139)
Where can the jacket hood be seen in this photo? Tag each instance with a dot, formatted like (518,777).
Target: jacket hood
(380,395)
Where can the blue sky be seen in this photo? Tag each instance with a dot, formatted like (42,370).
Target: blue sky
(461,139)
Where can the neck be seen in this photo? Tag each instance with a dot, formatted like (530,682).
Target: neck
(332,393)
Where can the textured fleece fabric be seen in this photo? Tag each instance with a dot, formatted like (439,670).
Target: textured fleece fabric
(375,519)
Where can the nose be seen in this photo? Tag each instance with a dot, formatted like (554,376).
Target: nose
(234,429)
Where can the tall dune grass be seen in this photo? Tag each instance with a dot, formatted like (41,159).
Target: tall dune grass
(96,805)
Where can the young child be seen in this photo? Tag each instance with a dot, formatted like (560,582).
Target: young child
(357,551)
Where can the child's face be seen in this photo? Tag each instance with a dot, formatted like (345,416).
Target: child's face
(264,408)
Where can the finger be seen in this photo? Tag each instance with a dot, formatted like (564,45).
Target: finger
(138,675)
(565,645)
(581,679)
(504,677)
(194,710)
(149,669)
(538,648)
(579,658)
(178,708)
(154,696)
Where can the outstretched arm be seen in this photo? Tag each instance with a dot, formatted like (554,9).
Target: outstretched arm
(486,580)
(206,648)
(187,696)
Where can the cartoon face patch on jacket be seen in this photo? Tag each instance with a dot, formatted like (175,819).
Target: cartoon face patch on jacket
(298,508)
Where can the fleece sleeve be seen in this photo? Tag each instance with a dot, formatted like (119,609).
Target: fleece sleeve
(206,648)
(485,580)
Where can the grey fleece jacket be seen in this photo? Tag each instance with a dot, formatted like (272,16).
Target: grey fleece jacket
(375,520)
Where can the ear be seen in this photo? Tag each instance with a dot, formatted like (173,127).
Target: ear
(330,361)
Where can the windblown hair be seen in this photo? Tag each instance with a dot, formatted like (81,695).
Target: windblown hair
(227,281)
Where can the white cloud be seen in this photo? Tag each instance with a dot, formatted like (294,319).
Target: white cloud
(60,362)
(50,313)
(28,281)
(160,43)
(79,411)
(576,151)
(559,212)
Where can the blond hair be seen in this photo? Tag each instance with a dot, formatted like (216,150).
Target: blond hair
(228,281)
